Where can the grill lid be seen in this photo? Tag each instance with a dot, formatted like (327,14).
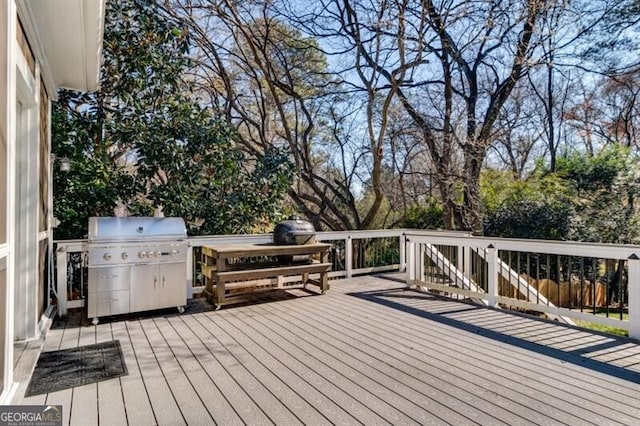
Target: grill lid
(135,228)
(294,231)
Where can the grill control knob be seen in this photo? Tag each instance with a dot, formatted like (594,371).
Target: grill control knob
(106,256)
(158,254)
(125,256)
(142,254)
(173,252)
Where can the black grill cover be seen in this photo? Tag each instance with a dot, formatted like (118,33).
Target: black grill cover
(294,231)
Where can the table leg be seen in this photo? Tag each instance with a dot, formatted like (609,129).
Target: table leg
(220,290)
(324,276)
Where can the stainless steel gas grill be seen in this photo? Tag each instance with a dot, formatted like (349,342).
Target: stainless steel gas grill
(136,264)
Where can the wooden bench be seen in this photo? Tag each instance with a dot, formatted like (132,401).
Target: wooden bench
(234,271)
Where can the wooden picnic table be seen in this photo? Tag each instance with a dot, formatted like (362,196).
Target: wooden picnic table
(236,270)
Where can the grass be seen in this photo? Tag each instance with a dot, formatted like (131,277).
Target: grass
(613,313)
(602,328)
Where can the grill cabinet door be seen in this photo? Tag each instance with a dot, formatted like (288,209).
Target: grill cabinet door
(173,289)
(144,287)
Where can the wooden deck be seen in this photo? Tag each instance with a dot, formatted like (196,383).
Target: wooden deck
(367,352)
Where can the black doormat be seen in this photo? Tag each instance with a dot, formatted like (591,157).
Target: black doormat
(67,368)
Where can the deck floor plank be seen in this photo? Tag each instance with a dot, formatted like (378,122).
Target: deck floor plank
(446,382)
(204,348)
(166,409)
(111,405)
(138,409)
(220,410)
(230,357)
(528,354)
(69,339)
(84,406)
(190,403)
(368,352)
(299,410)
(416,355)
(572,396)
(369,408)
(533,360)
(308,333)
(304,382)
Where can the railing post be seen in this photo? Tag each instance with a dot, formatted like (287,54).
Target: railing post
(189,272)
(348,256)
(61,280)
(403,252)
(465,254)
(634,296)
(460,258)
(419,259)
(492,261)
(411,263)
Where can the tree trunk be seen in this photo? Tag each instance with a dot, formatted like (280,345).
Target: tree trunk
(471,211)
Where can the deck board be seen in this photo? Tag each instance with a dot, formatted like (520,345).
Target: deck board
(206,350)
(448,390)
(191,405)
(291,371)
(294,408)
(138,408)
(452,355)
(324,380)
(415,354)
(242,366)
(313,340)
(111,408)
(84,404)
(367,352)
(165,407)
(474,340)
(226,359)
(70,335)
(218,408)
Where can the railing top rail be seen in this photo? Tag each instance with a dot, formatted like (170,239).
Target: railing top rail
(71,245)
(438,233)
(573,248)
(373,233)
(66,242)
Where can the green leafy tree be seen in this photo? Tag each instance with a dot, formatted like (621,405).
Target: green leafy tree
(589,198)
(538,207)
(606,187)
(144,141)
(424,216)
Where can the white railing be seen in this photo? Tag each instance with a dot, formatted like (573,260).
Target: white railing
(564,280)
(353,253)
(597,283)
